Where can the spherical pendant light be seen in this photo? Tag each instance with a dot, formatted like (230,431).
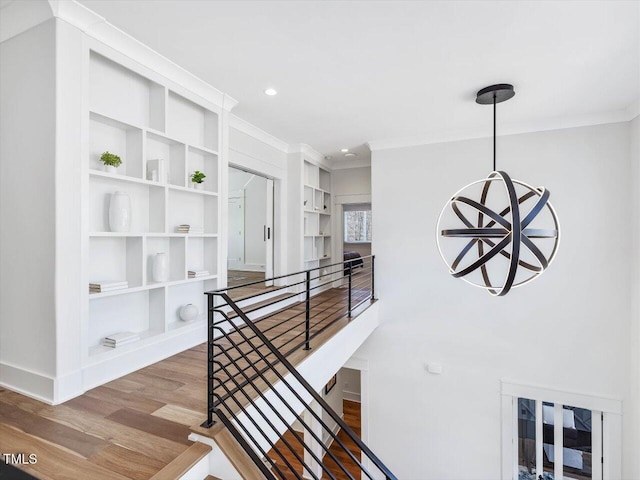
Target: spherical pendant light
(498,233)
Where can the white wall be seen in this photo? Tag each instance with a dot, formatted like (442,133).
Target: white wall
(567,330)
(632,433)
(351,182)
(27,208)
(350,384)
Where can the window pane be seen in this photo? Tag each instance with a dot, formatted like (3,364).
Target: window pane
(548,444)
(577,443)
(526,439)
(357,226)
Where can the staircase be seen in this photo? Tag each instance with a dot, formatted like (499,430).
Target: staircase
(255,393)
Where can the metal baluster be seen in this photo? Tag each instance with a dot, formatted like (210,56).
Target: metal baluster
(209,422)
(373,277)
(350,277)
(307,320)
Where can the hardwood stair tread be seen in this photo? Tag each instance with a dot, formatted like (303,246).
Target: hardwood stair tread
(184,462)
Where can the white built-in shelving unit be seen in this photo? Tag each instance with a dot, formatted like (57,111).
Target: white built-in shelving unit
(140,120)
(317,203)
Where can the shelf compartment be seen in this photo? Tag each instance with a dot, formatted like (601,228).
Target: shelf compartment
(106,134)
(116,258)
(123,94)
(196,210)
(174,248)
(325,180)
(309,249)
(326,201)
(308,198)
(206,163)
(185,293)
(142,312)
(311,175)
(324,225)
(191,123)
(310,223)
(317,201)
(202,254)
(174,155)
(147,204)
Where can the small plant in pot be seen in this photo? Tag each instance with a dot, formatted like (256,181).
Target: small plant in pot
(197,178)
(111,162)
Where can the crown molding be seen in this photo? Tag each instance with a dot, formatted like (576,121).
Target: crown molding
(360,163)
(310,154)
(257,133)
(20,16)
(558,123)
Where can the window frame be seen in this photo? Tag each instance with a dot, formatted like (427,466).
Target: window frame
(606,435)
(356,208)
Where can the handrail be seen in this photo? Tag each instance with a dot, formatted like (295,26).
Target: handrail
(325,406)
(240,377)
(279,277)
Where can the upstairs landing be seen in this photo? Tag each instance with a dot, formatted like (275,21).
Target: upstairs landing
(130,428)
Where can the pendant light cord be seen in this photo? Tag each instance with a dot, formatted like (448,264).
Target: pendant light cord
(494,132)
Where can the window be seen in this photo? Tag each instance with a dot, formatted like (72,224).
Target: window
(537,441)
(550,434)
(357,224)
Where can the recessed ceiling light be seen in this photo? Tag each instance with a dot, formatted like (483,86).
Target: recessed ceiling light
(350,154)
(344,150)
(271,92)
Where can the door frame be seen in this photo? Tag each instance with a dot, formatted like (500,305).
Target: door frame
(276,186)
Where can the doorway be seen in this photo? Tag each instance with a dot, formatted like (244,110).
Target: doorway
(250,240)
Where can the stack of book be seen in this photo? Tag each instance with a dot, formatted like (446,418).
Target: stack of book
(101,287)
(119,339)
(184,228)
(198,273)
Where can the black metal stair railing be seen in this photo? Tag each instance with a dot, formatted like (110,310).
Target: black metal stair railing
(257,393)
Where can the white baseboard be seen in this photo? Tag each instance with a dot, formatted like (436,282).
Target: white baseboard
(26,382)
(111,368)
(352,396)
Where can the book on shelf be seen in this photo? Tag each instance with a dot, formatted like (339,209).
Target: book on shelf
(119,339)
(107,286)
(189,229)
(198,273)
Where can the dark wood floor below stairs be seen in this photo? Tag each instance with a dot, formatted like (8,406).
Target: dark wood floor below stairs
(129,428)
(352,417)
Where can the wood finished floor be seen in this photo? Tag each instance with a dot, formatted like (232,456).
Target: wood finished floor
(241,277)
(132,427)
(352,418)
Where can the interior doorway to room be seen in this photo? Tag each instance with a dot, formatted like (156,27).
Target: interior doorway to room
(356,230)
(250,240)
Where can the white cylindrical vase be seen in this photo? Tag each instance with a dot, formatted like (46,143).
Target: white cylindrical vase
(120,212)
(198,186)
(110,169)
(160,270)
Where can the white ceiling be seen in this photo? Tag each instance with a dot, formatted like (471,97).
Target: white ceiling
(351,72)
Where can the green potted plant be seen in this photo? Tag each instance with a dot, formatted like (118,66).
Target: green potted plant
(197,178)
(110,161)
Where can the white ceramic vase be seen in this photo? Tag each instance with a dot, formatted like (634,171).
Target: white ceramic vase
(198,186)
(120,212)
(189,312)
(160,270)
(111,169)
